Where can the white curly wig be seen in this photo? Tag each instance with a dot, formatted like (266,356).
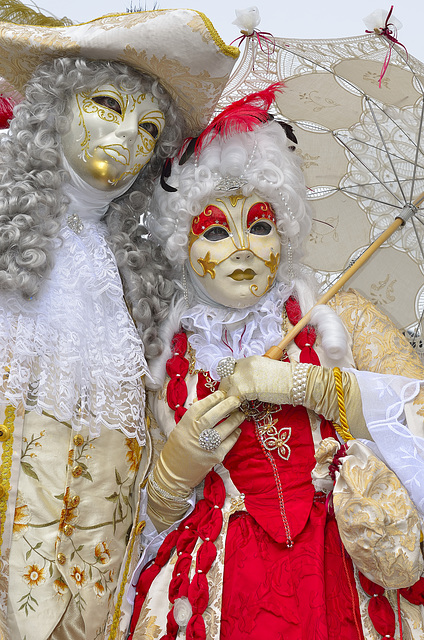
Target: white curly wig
(265,159)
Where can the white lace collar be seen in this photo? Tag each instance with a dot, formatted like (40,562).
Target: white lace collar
(73,350)
(220,331)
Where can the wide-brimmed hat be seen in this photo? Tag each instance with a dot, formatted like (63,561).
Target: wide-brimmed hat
(180,47)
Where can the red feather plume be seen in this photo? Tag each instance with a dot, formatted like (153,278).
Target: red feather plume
(6,111)
(240,116)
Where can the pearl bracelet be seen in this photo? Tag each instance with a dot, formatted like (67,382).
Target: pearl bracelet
(300,378)
(165,494)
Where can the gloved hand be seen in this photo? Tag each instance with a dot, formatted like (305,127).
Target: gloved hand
(183,464)
(260,378)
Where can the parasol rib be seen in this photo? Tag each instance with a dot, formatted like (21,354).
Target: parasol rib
(417,236)
(276,352)
(385,146)
(394,155)
(383,184)
(366,197)
(417,150)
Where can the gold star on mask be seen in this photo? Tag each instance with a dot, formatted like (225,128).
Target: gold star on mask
(208,265)
(272,263)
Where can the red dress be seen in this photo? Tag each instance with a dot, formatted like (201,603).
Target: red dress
(270,590)
(305,591)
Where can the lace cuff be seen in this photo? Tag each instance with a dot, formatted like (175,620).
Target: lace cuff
(396,430)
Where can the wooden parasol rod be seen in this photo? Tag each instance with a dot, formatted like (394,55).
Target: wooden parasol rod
(276,352)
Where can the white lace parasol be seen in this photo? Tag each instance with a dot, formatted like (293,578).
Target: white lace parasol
(362,148)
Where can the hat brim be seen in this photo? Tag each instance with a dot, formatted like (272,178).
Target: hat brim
(179,47)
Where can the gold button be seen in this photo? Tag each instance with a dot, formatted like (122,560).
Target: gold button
(139,528)
(61,558)
(78,440)
(2,492)
(77,471)
(4,433)
(74,502)
(68,530)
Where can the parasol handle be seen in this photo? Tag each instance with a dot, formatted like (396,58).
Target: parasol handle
(276,352)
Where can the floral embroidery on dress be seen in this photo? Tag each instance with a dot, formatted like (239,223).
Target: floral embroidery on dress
(60,587)
(99,589)
(71,551)
(102,553)
(28,451)
(69,512)
(80,457)
(134,454)
(22,517)
(78,575)
(34,577)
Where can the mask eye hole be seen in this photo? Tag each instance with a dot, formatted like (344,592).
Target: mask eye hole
(150,128)
(216,233)
(109,102)
(261,228)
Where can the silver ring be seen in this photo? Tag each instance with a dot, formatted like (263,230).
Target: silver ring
(226,367)
(209,439)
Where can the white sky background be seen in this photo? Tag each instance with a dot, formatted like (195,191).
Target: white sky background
(303,19)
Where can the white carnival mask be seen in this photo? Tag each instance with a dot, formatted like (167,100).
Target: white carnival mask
(234,249)
(112,135)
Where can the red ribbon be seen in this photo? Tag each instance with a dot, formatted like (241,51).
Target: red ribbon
(389,30)
(264,39)
(260,36)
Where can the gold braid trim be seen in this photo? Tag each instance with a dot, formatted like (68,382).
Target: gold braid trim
(228,50)
(117,612)
(6,467)
(342,428)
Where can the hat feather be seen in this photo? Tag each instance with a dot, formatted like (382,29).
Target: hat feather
(240,116)
(19,13)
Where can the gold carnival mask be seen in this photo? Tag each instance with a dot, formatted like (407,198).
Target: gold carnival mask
(112,135)
(234,249)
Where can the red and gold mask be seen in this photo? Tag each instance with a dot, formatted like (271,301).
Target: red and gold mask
(234,249)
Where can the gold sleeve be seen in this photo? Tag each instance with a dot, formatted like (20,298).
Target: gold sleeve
(377,344)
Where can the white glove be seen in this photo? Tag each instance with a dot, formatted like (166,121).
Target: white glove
(260,378)
(183,463)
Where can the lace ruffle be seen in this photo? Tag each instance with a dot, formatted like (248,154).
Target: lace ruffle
(220,332)
(74,351)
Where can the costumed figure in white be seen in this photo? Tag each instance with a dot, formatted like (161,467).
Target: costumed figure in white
(80,295)
(265,550)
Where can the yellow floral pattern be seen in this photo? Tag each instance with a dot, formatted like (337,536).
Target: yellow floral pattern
(74,548)
(78,575)
(133,453)
(22,517)
(377,521)
(60,587)
(377,345)
(34,575)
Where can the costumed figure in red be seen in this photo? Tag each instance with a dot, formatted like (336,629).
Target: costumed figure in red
(245,536)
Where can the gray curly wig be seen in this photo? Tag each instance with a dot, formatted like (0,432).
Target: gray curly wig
(32,204)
